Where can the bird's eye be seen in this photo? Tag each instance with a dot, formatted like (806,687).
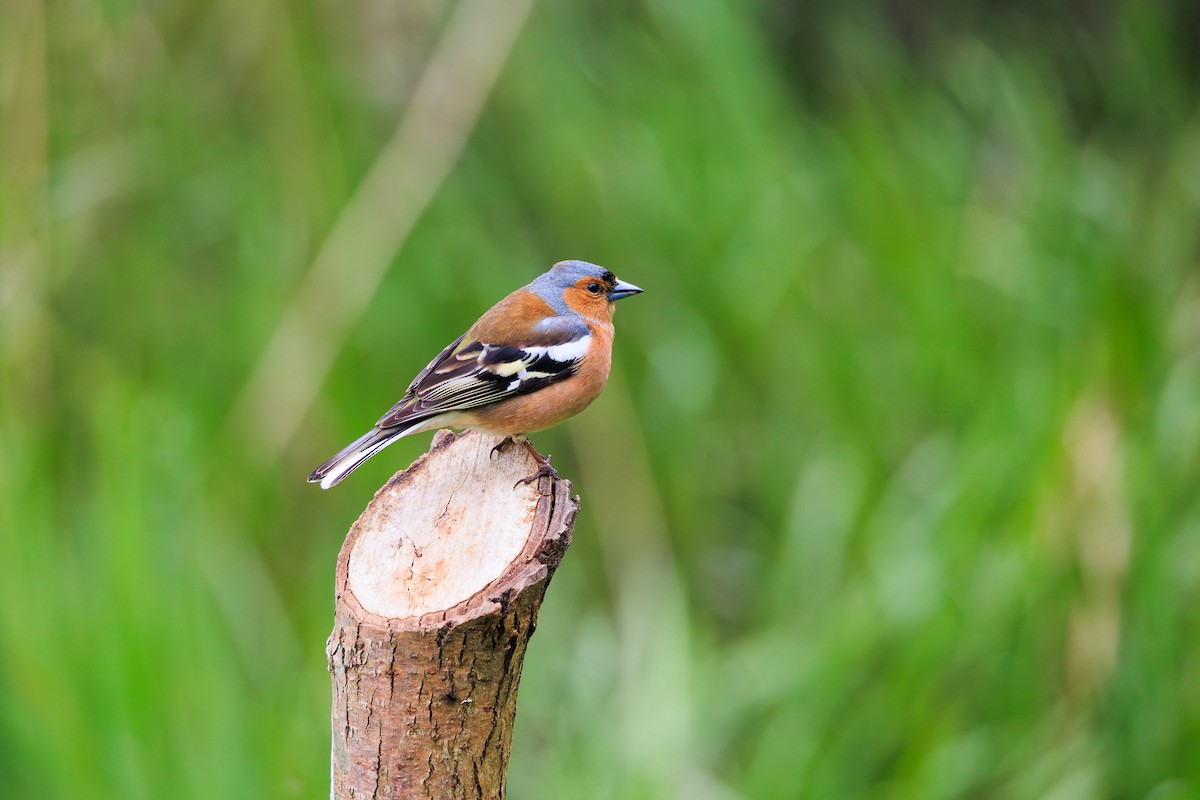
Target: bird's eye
(593,287)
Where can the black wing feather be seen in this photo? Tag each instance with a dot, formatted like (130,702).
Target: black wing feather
(472,374)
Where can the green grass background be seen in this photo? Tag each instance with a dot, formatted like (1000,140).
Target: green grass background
(893,493)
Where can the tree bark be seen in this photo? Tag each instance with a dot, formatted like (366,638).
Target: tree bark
(438,588)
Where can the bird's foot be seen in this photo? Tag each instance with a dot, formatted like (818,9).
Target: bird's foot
(544,469)
(503,443)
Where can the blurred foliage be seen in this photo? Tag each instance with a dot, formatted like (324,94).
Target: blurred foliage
(892,494)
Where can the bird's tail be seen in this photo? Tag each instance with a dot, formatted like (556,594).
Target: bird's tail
(335,469)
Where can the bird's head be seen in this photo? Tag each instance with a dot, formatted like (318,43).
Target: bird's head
(584,288)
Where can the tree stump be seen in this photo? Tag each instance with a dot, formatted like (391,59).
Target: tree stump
(438,588)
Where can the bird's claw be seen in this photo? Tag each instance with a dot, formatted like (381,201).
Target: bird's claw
(499,447)
(544,470)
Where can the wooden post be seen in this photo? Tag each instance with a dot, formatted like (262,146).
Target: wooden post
(438,588)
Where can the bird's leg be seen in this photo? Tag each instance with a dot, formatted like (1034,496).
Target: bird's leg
(544,469)
(500,446)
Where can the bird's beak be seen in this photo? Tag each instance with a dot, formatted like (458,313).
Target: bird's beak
(624,289)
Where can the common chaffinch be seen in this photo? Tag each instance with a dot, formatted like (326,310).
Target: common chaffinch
(537,357)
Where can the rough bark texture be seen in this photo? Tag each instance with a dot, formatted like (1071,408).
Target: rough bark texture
(438,588)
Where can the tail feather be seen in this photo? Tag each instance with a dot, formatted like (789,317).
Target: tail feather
(352,455)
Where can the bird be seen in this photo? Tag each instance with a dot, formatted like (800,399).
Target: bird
(534,359)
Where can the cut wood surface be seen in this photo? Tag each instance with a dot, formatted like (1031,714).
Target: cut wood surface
(438,588)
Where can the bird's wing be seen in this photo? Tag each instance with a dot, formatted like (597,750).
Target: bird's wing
(438,359)
(472,373)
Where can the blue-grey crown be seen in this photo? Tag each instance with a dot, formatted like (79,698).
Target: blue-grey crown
(550,284)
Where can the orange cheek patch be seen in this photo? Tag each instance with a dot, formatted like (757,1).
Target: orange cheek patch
(584,302)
